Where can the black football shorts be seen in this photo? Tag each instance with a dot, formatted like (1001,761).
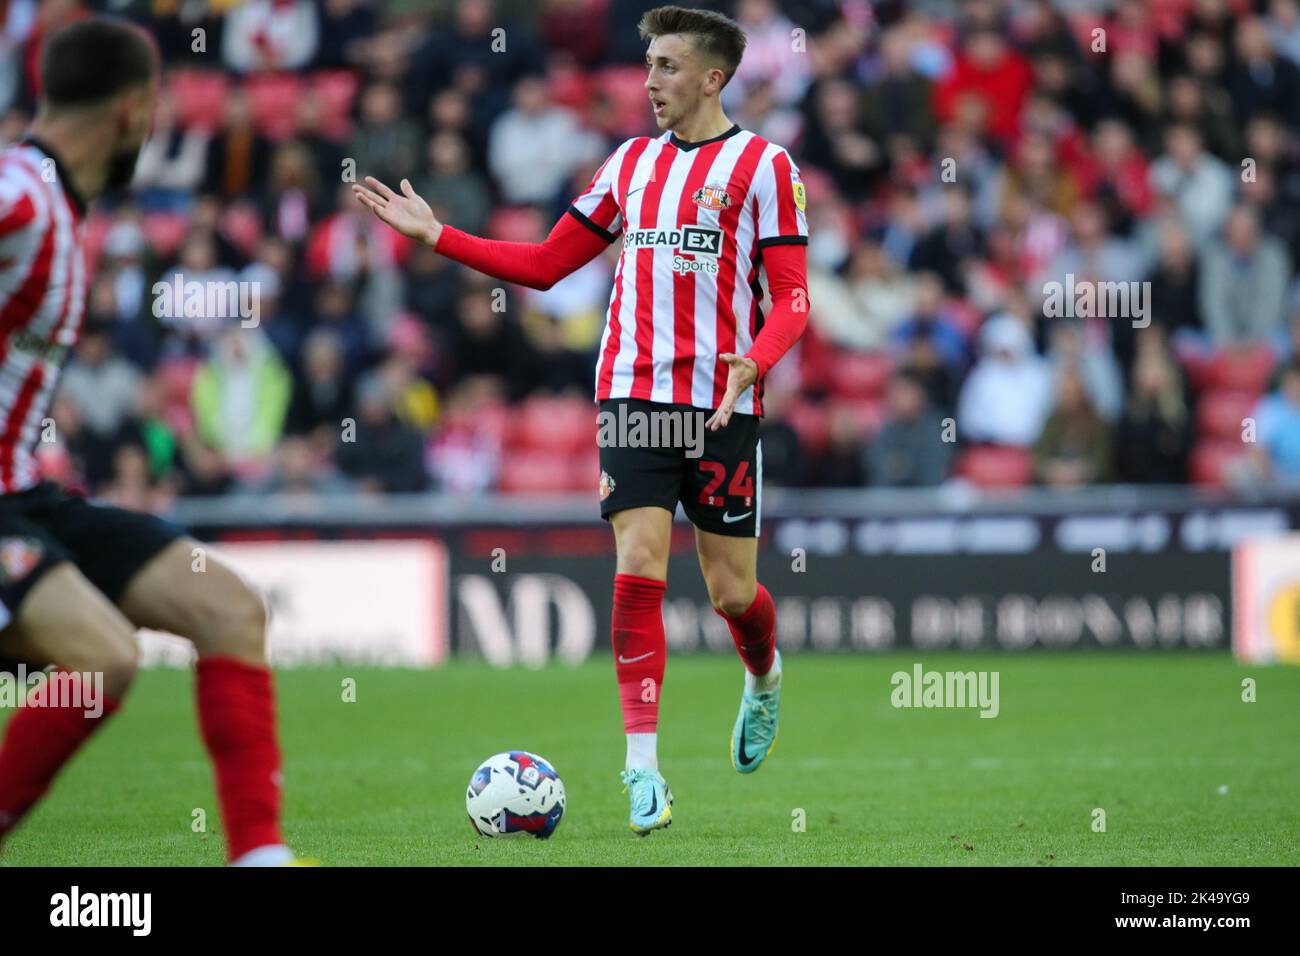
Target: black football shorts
(651,457)
(45,525)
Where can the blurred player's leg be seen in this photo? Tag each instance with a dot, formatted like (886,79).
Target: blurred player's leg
(730,566)
(642,538)
(65,621)
(226,621)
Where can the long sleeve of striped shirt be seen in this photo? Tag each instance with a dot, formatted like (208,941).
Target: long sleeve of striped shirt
(787,278)
(538,265)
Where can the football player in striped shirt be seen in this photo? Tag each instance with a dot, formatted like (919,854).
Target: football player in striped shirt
(77,578)
(700,209)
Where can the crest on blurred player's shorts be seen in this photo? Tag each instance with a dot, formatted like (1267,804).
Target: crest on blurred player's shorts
(18,556)
(606,485)
(712,196)
(800,199)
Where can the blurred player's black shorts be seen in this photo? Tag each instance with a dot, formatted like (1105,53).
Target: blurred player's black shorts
(717,476)
(45,525)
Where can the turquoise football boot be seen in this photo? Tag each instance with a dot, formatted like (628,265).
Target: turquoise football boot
(754,735)
(652,801)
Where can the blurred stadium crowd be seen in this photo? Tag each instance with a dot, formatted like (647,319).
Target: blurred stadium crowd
(957,156)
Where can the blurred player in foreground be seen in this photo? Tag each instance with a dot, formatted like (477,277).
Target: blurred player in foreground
(77,579)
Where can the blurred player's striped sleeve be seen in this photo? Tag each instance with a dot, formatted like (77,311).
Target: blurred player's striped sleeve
(17,211)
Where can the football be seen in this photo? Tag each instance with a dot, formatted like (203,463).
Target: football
(515,793)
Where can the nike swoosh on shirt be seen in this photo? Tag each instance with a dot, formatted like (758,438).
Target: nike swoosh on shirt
(633,660)
(731,519)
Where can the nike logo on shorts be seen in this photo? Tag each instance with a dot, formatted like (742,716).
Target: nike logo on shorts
(633,660)
(732,519)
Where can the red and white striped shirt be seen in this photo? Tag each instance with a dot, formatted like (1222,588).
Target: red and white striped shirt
(42,299)
(695,218)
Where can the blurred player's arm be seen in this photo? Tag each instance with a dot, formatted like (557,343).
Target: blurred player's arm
(538,265)
(17,210)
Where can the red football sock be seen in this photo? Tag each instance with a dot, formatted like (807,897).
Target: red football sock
(38,741)
(640,651)
(754,633)
(237,720)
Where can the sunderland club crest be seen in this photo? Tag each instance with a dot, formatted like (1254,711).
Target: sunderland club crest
(18,556)
(712,196)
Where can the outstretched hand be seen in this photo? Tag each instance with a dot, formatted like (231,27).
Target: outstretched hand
(408,213)
(743,373)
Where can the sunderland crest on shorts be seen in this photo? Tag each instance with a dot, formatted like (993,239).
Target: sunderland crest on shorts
(18,556)
(606,485)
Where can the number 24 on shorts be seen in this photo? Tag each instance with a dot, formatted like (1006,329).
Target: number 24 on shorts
(741,485)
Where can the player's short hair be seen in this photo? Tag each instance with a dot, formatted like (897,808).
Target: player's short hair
(93,60)
(715,35)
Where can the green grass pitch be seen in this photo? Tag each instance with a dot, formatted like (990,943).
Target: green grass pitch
(1151,740)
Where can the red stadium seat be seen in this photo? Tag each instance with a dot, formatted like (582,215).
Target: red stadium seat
(97,228)
(560,424)
(242,225)
(1211,459)
(868,415)
(520,224)
(1198,369)
(624,87)
(537,472)
(996,466)
(492,421)
(176,378)
(1247,371)
(166,231)
(965,317)
(818,185)
(815,358)
(584,475)
(274,98)
(200,97)
(337,90)
(1220,412)
(811,422)
(859,374)
(569,87)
